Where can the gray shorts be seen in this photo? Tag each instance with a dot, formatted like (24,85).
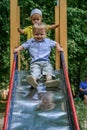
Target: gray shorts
(41,68)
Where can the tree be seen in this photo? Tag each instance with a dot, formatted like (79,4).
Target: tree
(4,42)
(77,42)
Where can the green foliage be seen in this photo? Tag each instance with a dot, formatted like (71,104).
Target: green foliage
(77,4)
(81,112)
(4,42)
(77,42)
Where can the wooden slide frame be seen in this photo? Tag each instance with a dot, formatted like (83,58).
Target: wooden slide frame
(60,33)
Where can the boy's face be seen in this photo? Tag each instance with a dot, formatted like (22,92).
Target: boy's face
(39,33)
(36,18)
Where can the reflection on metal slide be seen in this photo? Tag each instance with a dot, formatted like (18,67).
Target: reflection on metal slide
(41,108)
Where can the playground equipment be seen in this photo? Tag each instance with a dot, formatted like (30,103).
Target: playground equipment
(21,109)
(22,105)
(60,33)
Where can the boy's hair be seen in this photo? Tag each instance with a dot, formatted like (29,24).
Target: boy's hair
(39,25)
(36,11)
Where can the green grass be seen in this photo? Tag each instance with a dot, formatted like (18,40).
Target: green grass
(2,107)
(81,109)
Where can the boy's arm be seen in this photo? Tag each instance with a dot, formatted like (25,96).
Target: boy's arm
(21,31)
(59,48)
(54,26)
(16,50)
(82,90)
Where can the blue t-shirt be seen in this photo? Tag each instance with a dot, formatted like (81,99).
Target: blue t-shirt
(39,50)
(83,85)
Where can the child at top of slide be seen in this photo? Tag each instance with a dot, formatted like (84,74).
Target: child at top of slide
(39,48)
(36,17)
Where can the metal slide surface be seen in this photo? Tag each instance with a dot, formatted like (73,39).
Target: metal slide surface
(26,112)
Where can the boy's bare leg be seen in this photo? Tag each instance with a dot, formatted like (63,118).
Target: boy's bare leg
(85,99)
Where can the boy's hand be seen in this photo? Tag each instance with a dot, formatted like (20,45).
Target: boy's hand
(18,30)
(16,50)
(61,49)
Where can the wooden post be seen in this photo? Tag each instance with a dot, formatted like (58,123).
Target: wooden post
(63,28)
(57,62)
(14,23)
(18,37)
(61,32)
